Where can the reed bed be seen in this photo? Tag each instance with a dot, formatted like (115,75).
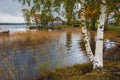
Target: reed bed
(30,38)
(73,29)
(15,44)
(41,36)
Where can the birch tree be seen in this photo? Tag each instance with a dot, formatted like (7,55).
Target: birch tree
(96,59)
(85,32)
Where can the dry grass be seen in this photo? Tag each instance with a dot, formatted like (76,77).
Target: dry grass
(33,38)
(4,36)
(112,72)
(82,72)
(66,73)
(21,41)
(29,38)
(41,35)
(72,29)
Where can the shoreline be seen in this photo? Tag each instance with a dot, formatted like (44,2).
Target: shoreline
(111,70)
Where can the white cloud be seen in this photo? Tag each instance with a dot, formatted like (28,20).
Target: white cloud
(5,18)
(10,11)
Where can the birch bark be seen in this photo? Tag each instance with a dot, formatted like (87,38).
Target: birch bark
(85,33)
(98,60)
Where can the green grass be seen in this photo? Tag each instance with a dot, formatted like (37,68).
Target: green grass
(113,33)
(48,27)
(113,28)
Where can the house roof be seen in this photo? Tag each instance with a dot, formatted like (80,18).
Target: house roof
(58,19)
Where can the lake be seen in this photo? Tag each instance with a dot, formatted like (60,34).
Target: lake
(28,62)
(13,28)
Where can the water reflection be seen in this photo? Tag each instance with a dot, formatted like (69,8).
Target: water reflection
(76,55)
(21,64)
(68,40)
(108,44)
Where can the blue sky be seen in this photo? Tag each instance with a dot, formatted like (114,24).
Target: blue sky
(10,11)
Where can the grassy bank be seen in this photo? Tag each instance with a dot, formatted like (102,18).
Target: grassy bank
(67,73)
(112,33)
(83,72)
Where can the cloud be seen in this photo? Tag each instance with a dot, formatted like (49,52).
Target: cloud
(11,18)
(10,11)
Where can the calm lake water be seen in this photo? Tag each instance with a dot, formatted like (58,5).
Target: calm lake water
(27,63)
(13,28)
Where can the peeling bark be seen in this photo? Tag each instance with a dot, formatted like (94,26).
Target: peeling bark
(98,60)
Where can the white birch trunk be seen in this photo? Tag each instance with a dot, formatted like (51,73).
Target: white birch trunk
(98,60)
(85,33)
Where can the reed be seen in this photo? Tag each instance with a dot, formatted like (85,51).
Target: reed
(72,30)
(20,41)
(29,38)
(36,36)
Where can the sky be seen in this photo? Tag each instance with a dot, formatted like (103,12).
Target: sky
(10,11)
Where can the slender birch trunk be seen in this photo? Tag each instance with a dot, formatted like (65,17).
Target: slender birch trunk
(98,60)
(85,33)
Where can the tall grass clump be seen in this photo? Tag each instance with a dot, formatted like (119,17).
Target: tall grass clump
(15,44)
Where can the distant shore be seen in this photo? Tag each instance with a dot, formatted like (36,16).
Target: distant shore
(12,23)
